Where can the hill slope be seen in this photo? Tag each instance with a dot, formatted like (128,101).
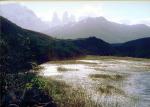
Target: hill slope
(20,47)
(135,48)
(94,46)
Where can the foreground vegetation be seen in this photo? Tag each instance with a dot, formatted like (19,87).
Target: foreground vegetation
(61,94)
(67,96)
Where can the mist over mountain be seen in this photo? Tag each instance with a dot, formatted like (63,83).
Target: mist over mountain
(26,18)
(23,17)
(57,21)
(68,27)
(101,28)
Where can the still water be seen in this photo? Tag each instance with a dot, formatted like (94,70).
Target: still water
(111,82)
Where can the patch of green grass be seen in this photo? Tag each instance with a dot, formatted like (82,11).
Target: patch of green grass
(109,90)
(115,77)
(63,69)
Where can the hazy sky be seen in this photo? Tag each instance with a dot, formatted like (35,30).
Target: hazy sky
(122,12)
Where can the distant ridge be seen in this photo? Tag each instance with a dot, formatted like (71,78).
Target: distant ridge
(101,28)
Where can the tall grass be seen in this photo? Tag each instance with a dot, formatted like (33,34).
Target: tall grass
(110,90)
(115,77)
(67,96)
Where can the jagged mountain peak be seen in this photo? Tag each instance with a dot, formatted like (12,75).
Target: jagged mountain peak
(102,28)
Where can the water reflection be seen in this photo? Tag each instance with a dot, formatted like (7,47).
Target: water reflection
(133,90)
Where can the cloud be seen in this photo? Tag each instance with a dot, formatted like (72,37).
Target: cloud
(86,11)
(80,10)
(145,21)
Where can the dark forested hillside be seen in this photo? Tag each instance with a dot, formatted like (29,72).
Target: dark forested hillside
(20,48)
(135,48)
(94,46)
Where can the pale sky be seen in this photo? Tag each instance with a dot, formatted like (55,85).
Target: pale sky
(121,12)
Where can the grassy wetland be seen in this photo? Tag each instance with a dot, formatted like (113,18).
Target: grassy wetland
(95,81)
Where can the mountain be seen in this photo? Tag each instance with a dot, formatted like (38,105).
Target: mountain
(135,48)
(21,48)
(92,26)
(101,28)
(94,46)
(22,16)
(26,18)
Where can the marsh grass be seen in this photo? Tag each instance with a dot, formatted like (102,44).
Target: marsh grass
(70,62)
(92,57)
(142,69)
(67,96)
(63,69)
(63,62)
(110,90)
(100,69)
(145,67)
(115,77)
(102,58)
